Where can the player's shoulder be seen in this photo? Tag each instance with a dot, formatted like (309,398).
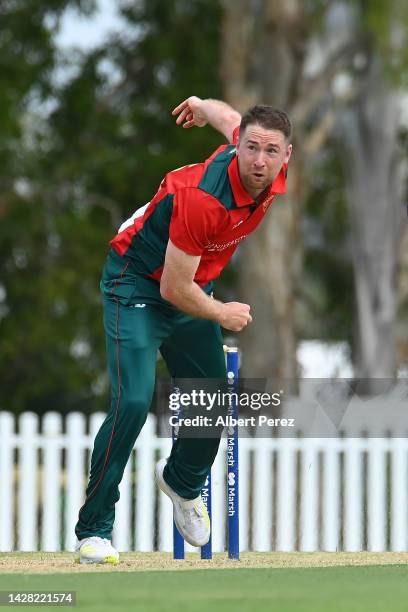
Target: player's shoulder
(200,204)
(196,194)
(188,176)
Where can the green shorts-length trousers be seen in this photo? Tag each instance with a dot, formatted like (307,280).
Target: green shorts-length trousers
(191,348)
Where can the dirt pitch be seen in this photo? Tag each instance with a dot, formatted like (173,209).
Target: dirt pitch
(59,563)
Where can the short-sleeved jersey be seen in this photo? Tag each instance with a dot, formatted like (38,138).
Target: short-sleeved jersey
(204,209)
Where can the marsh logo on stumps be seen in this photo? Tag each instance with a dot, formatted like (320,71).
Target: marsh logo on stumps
(232,494)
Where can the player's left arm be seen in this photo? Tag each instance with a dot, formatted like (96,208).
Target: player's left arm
(197,112)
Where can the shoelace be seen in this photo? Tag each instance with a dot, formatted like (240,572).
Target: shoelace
(196,513)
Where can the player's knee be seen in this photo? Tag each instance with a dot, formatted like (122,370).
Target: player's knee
(135,406)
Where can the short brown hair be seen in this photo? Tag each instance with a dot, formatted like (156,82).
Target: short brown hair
(268,118)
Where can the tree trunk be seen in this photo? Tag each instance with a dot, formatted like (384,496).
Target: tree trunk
(261,62)
(374,166)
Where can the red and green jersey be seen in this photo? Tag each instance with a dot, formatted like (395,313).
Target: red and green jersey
(204,210)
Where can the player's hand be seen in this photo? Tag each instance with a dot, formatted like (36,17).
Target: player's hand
(191,113)
(235,316)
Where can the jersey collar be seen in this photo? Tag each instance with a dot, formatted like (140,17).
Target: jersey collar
(241,196)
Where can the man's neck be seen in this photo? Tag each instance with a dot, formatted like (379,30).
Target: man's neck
(257,193)
(262,195)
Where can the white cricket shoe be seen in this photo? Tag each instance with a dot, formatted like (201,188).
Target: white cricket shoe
(96,550)
(190,515)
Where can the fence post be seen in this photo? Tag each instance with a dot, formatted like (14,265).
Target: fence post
(331,496)
(262,501)
(399,497)
(376,495)
(309,495)
(352,495)
(145,486)
(219,480)
(286,502)
(6,481)
(51,482)
(28,474)
(122,526)
(75,475)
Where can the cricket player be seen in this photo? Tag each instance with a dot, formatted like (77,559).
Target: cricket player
(157,288)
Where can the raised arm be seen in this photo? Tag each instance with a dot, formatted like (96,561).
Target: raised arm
(197,112)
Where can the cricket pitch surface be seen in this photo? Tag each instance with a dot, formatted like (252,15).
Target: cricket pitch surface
(64,562)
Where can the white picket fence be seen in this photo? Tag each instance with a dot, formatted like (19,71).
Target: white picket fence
(295,494)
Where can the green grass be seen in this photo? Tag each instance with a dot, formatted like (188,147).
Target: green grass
(331,589)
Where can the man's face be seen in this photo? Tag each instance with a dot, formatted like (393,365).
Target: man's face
(261,154)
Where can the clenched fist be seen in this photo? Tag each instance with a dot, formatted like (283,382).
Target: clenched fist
(235,316)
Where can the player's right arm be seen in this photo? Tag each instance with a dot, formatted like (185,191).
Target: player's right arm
(178,287)
(197,112)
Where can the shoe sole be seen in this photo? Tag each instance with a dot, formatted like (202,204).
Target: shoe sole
(85,561)
(167,491)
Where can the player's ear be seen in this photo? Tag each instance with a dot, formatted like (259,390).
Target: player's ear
(288,153)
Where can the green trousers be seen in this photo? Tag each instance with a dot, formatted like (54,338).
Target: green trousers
(135,330)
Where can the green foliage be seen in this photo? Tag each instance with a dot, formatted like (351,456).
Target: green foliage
(383,24)
(78,174)
(27,57)
(69,178)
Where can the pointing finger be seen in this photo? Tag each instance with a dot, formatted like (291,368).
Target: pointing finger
(179,108)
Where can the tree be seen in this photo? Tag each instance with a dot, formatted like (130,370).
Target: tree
(270,56)
(83,169)
(266,47)
(371,125)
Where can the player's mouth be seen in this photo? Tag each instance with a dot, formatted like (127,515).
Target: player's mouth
(258,176)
